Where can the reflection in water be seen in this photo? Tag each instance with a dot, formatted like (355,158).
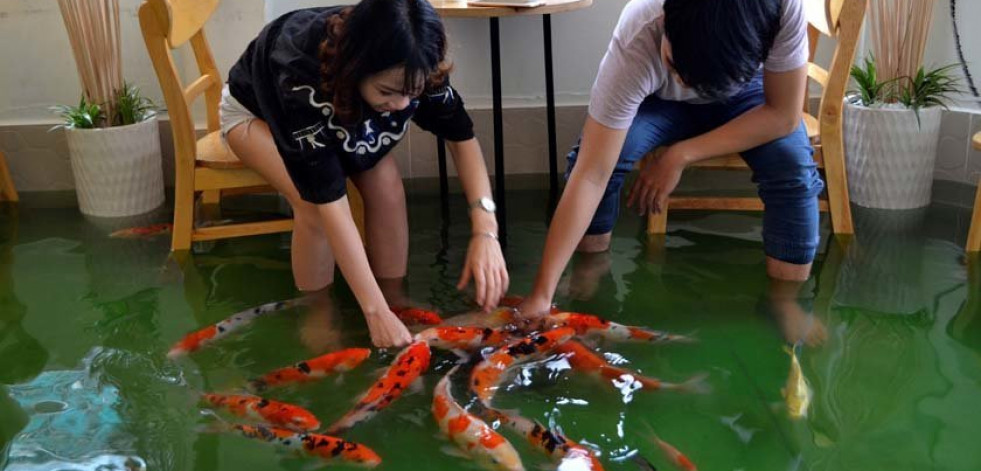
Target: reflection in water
(889,378)
(82,434)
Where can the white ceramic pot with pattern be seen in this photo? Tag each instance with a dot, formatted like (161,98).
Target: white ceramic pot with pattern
(117,170)
(890,155)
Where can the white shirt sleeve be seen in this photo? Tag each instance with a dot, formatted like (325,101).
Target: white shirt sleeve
(790,48)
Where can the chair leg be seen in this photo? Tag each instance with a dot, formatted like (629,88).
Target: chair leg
(837,180)
(7,190)
(657,223)
(183,219)
(974,236)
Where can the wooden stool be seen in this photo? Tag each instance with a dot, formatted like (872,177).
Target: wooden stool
(7,190)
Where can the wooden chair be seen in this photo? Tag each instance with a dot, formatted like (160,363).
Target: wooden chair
(205,167)
(974,237)
(7,190)
(836,19)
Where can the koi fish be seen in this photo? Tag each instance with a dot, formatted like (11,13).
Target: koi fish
(276,413)
(797,392)
(408,365)
(590,325)
(500,317)
(312,369)
(143,231)
(675,456)
(583,359)
(416,316)
(471,434)
(551,442)
(463,338)
(197,339)
(487,374)
(313,444)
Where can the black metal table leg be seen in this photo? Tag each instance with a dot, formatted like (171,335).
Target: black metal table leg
(499,194)
(553,166)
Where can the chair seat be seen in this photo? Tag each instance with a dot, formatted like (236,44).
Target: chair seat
(812,127)
(212,152)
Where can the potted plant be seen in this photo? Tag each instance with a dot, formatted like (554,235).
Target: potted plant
(892,117)
(113,136)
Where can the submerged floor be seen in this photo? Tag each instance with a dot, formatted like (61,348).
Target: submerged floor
(892,321)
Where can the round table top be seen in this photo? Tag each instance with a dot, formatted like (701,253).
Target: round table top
(977,141)
(460,8)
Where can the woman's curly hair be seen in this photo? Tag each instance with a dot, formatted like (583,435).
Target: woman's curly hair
(377,35)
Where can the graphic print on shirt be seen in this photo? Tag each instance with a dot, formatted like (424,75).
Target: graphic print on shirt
(368,140)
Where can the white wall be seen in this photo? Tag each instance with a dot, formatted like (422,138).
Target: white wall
(37,69)
(579,40)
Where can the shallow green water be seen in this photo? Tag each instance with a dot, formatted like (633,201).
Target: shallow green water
(86,321)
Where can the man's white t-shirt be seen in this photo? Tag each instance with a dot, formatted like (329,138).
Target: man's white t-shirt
(632,69)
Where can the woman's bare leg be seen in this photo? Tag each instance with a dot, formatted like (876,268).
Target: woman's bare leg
(312,260)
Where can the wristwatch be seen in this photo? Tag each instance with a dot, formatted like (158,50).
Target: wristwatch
(484,203)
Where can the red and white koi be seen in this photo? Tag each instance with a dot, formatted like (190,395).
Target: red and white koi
(583,359)
(463,338)
(197,339)
(312,369)
(416,316)
(143,231)
(470,433)
(276,413)
(551,442)
(313,444)
(408,365)
(488,373)
(590,325)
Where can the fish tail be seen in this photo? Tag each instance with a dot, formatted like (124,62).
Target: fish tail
(697,384)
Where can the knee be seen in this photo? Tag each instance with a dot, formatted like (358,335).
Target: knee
(306,218)
(789,171)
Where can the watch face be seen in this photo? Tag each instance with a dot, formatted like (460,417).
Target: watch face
(488,204)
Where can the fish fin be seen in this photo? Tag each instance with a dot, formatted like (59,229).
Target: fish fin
(463,355)
(454,452)
(339,380)
(417,386)
(697,384)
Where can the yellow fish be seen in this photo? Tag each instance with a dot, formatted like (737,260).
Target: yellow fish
(797,392)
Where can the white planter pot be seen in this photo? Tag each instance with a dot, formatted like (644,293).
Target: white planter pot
(890,156)
(117,170)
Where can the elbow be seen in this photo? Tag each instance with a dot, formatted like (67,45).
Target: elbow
(787,123)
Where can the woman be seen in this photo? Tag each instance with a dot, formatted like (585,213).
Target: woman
(323,95)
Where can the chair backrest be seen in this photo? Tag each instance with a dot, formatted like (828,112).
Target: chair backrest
(167,25)
(841,21)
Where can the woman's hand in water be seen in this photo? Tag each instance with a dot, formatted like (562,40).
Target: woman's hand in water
(485,265)
(386,329)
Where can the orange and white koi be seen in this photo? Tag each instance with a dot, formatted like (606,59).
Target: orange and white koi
(463,338)
(312,369)
(488,373)
(470,433)
(583,359)
(408,365)
(313,444)
(275,413)
(416,316)
(197,339)
(590,325)
(143,231)
(551,442)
